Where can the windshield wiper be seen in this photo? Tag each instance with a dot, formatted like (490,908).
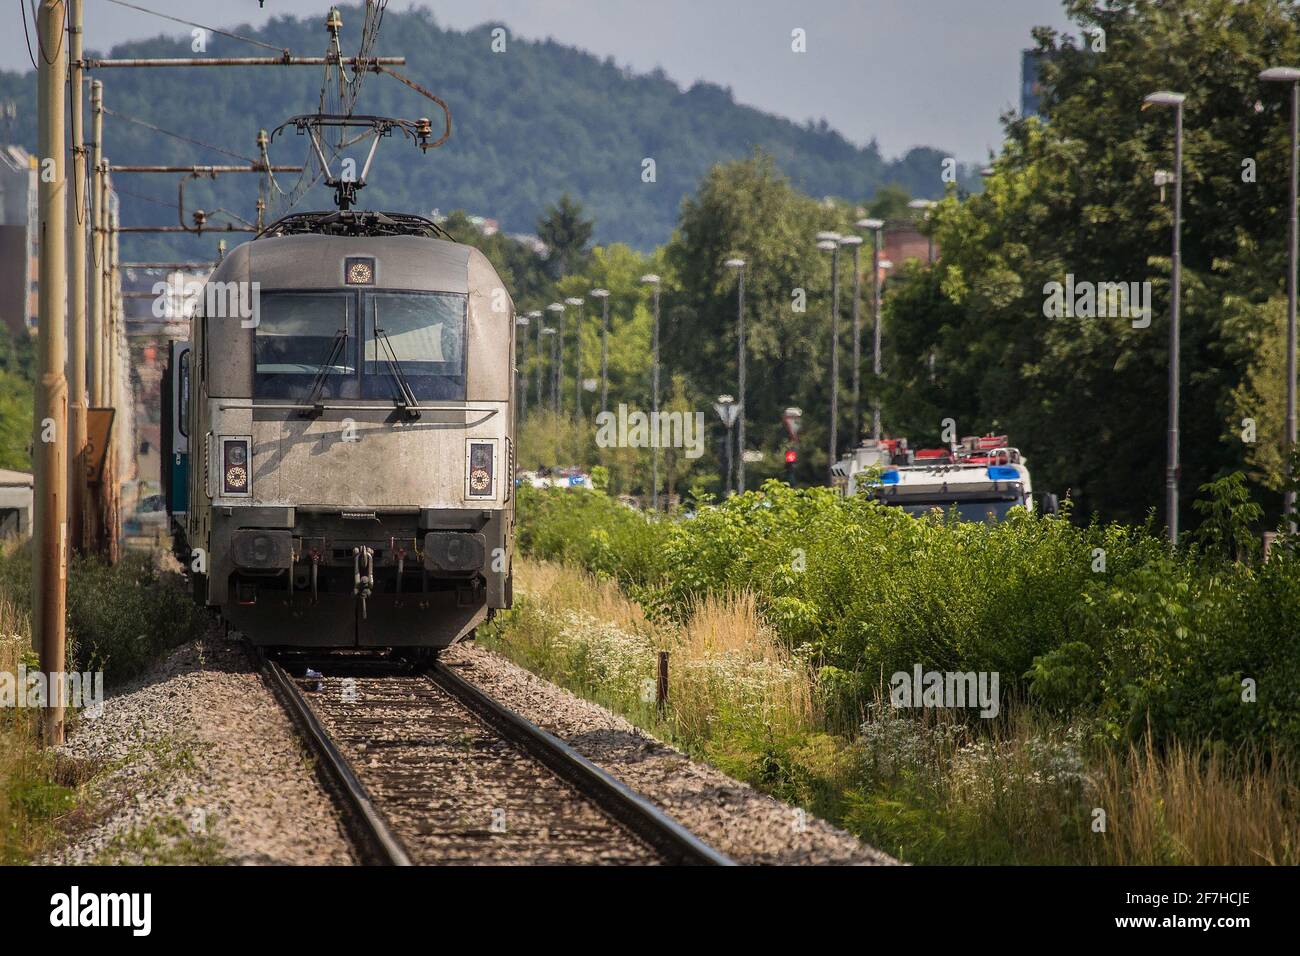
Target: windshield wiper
(406,399)
(318,384)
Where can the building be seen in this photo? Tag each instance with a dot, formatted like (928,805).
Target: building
(904,241)
(18,238)
(16,500)
(1032,87)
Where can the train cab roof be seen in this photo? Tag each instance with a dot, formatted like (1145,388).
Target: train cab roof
(358,252)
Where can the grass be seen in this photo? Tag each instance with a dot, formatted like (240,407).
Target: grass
(165,841)
(1029,787)
(34,793)
(120,619)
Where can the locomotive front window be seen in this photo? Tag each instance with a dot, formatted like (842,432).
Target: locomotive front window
(305,344)
(419,336)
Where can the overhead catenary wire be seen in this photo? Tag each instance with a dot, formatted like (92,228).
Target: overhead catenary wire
(188,139)
(338,97)
(202,26)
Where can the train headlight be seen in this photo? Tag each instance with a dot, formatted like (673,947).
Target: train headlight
(480,477)
(235,478)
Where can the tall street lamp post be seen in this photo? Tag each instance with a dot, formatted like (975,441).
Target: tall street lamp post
(875,226)
(739,266)
(541,360)
(925,206)
(830,242)
(856,243)
(1174,100)
(727,409)
(557,364)
(603,296)
(652,280)
(1286,74)
(577,302)
(521,338)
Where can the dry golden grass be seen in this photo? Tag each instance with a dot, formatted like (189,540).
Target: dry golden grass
(1187,807)
(557,586)
(726,659)
(1021,789)
(724,662)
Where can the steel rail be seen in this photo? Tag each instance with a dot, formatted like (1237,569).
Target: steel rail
(368,830)
(625,806)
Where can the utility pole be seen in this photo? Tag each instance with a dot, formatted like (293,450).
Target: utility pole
(97,244)
(114,377)
(49,578)
(78,490)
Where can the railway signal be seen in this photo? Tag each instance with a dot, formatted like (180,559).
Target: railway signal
(791,419)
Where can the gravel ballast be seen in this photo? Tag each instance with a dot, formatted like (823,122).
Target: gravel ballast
(196,762)
(747,825)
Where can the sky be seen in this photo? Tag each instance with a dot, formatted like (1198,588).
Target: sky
(903,72)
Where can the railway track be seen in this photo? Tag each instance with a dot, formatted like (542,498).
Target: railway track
(428,769)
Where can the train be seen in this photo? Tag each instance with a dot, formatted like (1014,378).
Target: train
(339,433)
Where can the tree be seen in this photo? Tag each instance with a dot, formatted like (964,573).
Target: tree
(1085,397)
(748,209)
(566,233)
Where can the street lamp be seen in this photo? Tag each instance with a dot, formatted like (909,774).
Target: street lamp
(603,296)
(652,280)
(1286,74)
(856,243)
(557,364)
(521,338)
(876,226)
(925,206)
(537,317)
(727,410)
(577,302)
(1174,100)
(739,266)
(830,242)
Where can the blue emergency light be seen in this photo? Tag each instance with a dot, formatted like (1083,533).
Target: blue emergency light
(1003,473)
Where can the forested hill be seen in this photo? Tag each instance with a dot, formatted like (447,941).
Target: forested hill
(529,123)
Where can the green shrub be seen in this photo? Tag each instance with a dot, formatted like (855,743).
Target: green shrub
(1101,621)
(120,617)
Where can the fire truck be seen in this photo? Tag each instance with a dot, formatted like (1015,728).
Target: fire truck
(980,478)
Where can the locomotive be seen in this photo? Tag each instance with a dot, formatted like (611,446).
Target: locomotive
(342,426)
